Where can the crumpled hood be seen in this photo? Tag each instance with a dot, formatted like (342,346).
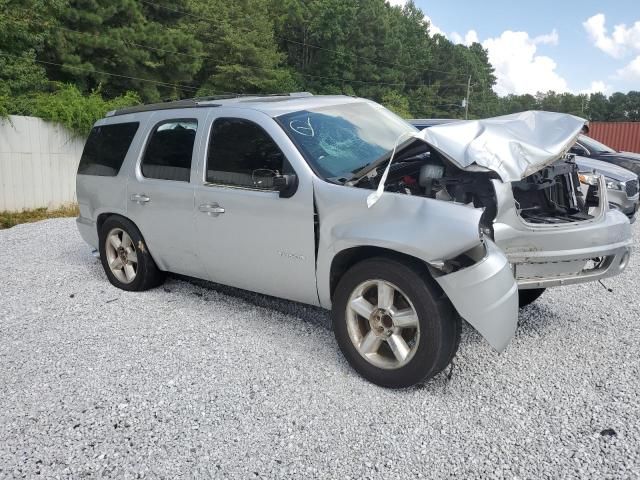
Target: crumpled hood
(514,146)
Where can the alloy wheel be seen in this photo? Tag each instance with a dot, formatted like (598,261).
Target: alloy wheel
(121,255)
(382,324)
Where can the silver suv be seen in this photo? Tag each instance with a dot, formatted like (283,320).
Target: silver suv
(335,201)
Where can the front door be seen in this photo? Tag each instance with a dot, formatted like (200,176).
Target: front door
(248,235)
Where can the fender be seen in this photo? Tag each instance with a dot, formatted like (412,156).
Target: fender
(484,294)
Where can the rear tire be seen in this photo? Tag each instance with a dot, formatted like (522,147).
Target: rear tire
(125,256)
(529,295)
(392,323)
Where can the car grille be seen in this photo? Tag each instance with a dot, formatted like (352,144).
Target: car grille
(631,187)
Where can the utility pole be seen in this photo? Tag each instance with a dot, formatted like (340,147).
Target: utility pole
(466,103)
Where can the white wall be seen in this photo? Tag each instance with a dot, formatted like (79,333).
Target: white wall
(38,164)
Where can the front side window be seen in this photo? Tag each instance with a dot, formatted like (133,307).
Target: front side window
(242,154)
(169,151)
(106,148)
(339,140)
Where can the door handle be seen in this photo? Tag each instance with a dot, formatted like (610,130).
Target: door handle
(211,209)
(140,198)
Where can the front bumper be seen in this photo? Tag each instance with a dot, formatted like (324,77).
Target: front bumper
(485,295)
(545,256)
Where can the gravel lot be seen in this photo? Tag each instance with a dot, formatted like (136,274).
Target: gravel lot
(197,380)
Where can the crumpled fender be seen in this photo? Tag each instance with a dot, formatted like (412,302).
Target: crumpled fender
(486,295)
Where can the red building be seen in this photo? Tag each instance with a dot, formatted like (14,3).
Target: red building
(622,136)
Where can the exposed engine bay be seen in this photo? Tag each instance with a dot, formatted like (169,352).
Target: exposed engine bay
(552,195)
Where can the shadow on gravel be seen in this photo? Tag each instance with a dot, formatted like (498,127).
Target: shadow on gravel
(308,313)
(537,318)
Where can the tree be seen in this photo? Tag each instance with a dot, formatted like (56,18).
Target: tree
(617,111)
(633,106)
(597,107)
(124,45)
(397,103)
(21,40)
(240,52)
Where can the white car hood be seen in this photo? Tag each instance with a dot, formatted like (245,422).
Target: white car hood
(514,146)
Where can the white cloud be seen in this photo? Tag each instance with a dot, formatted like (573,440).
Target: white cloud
(469,38)
(547,39)
(617,45)
(631,71)
(397,3)
(517,67)
(433,28)
(597,86)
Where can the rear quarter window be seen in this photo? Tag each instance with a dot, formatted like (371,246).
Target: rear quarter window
(106,148)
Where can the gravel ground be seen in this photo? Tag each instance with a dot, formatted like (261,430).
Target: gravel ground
(196,380)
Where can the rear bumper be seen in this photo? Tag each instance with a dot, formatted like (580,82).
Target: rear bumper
(562,255)
(88,231)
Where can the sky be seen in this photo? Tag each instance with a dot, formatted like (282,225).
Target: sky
(562,45)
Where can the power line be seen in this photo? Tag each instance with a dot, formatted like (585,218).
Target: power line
(375,83)
(157,82)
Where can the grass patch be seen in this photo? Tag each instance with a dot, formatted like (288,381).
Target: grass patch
(10,219)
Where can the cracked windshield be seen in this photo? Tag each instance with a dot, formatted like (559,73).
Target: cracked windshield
(339,140)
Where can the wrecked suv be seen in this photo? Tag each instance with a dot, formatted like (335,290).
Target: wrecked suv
(335,201)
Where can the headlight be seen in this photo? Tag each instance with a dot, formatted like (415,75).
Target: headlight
(588,178)
(614,184)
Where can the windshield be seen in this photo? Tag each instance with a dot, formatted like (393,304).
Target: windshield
(340,140)
(594,145)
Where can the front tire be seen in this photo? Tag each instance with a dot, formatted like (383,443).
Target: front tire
(125,257)
(392,324)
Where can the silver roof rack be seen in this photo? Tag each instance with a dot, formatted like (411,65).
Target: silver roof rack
(210,101)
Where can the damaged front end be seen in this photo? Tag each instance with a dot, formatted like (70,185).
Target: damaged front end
(544,223)
(473,273)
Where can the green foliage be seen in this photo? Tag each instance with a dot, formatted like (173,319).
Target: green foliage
(102,50)
(75,111)
(78,112)
(397,103)
(21,40)
(619,107)
(241,53)
(131,39)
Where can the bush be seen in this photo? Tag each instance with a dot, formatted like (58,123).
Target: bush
(67,106)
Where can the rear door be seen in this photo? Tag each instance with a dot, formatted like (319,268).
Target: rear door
(160,194)
(248,235)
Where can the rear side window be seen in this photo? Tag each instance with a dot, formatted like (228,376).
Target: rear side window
(169,152)
(106,148)
(242,154)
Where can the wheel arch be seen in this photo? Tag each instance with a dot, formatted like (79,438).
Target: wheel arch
(102,218)
(347,258)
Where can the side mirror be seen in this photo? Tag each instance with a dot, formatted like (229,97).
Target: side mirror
(285,184)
